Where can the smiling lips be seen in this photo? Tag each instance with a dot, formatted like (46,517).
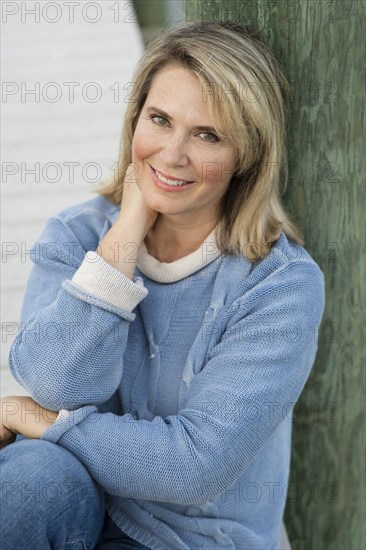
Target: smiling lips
(169,180)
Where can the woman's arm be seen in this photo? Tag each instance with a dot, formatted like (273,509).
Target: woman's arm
(247,388)
(76,312)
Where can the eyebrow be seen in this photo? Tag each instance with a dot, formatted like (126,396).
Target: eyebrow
(165,115)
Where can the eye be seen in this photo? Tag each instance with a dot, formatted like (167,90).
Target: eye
(212,138)
(159,119)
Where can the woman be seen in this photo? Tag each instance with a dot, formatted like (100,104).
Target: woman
(167,333)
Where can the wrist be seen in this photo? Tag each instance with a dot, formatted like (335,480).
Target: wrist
(136,221)
(121,244)
(63,413)
(133,223)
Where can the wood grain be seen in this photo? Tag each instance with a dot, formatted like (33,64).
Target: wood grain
(321,46)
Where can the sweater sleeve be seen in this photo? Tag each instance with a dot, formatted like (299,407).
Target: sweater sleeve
(248,386)
(76,307)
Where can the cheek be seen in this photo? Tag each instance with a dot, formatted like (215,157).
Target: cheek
(217,175)
(215,168)
(138,147)
(142,144)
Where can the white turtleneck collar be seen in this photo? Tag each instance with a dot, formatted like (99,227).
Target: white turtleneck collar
(170,272)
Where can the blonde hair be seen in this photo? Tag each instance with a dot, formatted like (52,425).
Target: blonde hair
(246,90)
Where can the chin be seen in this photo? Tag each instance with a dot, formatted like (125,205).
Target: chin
(157,204)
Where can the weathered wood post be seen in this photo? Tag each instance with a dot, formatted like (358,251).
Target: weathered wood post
(321,46)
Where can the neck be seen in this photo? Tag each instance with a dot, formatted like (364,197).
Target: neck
(167,241)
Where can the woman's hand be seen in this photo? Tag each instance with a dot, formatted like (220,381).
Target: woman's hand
(22,415)
(119,247)
(133,205)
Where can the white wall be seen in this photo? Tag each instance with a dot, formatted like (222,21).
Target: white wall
(35,129)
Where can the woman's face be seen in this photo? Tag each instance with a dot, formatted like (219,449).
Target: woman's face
(175,141)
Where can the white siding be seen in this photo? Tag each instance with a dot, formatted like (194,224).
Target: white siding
(37,130)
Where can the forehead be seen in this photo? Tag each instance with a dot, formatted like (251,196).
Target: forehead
(176,87)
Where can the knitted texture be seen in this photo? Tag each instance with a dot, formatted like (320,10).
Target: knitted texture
(99,278)
(184,405)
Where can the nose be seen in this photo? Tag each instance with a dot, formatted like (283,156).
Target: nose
(174,151)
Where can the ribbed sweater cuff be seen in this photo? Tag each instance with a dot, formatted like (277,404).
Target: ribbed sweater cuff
(99,278)
(64,423)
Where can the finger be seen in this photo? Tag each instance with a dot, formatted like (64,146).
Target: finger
(131,173)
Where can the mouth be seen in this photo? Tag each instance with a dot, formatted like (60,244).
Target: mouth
(170,180)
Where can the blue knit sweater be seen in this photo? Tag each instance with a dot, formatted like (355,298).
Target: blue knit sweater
(181,391)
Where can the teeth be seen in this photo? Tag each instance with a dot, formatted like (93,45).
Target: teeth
(170,182)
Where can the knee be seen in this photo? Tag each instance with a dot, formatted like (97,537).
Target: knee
(39,480)
(38,474)
(31,460)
